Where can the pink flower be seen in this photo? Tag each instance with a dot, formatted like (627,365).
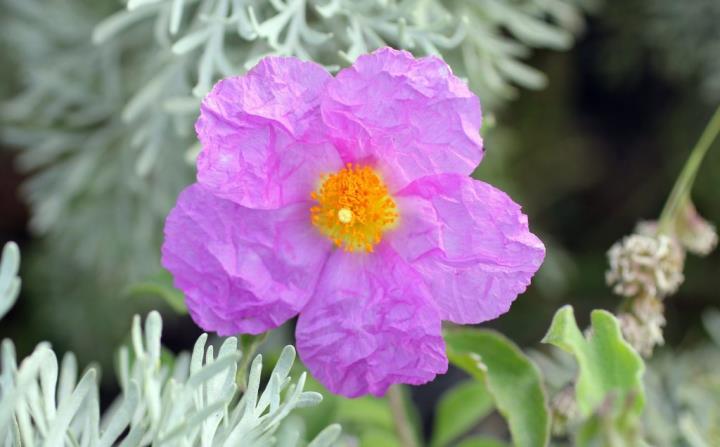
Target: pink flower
(348,201)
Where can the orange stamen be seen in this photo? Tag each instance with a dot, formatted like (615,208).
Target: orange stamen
(354,208)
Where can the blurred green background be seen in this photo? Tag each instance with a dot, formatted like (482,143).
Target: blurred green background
(587,157)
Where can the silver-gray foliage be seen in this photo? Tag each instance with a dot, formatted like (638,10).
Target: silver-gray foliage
(683,392)
(105,116)
(193,401)
(688,39)
(9,279)
(684,398)
(678,40)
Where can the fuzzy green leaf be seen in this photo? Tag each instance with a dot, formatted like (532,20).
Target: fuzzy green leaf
(459,410)
(481,441)
(365,411)
(609,367)
(512,380)
(376,437)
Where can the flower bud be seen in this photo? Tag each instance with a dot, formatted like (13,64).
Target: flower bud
(645,265)
(697,234)
(643,325)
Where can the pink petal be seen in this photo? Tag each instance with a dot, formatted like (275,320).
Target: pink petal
(410,117)
(261,147)
(371,323)
(242,270)
(470,242)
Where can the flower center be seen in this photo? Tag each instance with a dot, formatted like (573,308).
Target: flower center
(354,208)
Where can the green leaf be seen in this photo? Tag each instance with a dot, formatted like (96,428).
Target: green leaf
(513,381)
(375,437)
(367,418)
(460,409)
(365,412)
(711,322)
(607,430)
(482,441)
(159,286)
(609,367)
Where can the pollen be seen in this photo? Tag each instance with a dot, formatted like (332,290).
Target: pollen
(354,208)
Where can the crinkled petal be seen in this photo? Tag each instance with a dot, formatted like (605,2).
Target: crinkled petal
(410,117)
(259,133)
(371,323)
(470,242)
(242,270)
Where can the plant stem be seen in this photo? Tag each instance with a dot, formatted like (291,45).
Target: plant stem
(683,185)
(400,417)
(248,344)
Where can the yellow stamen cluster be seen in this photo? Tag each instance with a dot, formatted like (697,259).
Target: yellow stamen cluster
(354,208)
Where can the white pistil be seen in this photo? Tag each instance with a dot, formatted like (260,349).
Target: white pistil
(345,215)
